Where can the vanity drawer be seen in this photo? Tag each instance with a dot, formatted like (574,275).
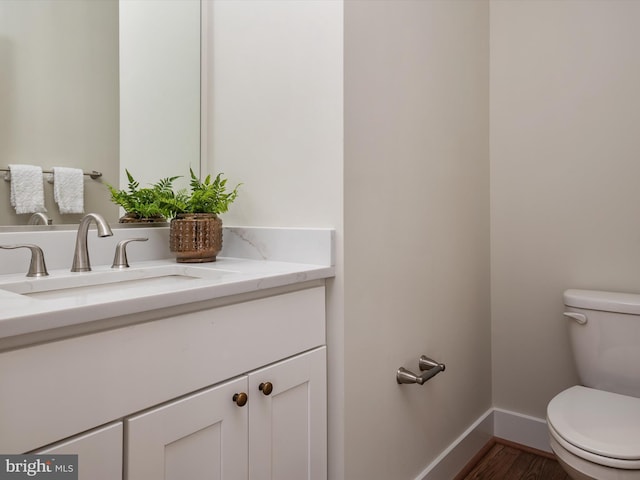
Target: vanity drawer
(56,390)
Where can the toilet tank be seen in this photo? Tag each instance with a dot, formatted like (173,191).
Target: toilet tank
(606,347)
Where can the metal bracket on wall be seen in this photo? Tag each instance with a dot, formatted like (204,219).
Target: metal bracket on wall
(430,368)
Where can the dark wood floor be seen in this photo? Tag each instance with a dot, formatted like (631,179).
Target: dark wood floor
(507,462)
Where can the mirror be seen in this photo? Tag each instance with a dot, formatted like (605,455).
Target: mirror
(99,85)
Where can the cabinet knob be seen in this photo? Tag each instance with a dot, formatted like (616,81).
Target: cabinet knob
(240,399)
(266,388)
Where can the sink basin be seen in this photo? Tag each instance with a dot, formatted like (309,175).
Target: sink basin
(132,281)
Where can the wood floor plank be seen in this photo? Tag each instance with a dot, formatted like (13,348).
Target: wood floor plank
(507,462)
(495,464)
(553,471)
(535,471)
(520,466)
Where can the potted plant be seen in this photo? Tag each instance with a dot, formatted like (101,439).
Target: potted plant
(196,230)
(144,205)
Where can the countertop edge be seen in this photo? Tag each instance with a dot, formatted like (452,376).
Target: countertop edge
(269,275)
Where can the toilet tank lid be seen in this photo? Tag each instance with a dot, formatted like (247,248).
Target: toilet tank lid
(604,301)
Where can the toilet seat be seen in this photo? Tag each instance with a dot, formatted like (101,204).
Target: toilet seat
(598,426)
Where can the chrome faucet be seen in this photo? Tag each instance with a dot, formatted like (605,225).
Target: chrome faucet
(81,255)
(39,217)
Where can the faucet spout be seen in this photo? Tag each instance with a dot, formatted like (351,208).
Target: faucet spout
(81,261)
(39,218)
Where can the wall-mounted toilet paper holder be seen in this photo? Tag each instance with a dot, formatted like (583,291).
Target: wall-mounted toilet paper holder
(430,368)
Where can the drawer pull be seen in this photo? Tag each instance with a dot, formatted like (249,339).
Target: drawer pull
(266,388)
(240,399)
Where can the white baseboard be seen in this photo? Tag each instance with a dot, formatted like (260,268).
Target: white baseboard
(523,429)
(515,427)
(447,465)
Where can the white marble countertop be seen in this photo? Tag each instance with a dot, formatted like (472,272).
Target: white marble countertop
(28,313)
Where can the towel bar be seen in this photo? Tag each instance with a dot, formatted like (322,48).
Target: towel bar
(93,174)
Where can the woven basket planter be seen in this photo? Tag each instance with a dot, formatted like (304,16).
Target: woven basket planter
(195,237)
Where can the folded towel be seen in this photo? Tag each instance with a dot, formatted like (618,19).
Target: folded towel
(68,189)
(27,190)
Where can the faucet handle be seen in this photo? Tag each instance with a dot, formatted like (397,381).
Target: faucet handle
(120,257)
(37,267)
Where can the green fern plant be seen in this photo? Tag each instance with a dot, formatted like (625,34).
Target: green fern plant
(208,196)
(148,202)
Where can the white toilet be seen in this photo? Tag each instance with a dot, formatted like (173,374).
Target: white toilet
(595,428)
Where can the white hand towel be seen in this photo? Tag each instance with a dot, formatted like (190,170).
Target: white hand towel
(27,190)
(68,189)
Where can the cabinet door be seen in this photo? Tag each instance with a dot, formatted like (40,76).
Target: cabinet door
(99,452)
(201,436)
(288,426)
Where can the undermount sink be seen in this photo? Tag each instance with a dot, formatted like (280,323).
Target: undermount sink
(134,280)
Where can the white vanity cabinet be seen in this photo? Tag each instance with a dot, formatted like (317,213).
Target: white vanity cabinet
(159,392)
(203,435)
(99,452)
(288,427)
(279,433)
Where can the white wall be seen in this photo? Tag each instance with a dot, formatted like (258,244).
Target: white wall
(565,152)
(275,109)
(416,229)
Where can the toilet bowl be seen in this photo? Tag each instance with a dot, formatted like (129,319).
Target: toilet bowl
(596,434)
(594,428)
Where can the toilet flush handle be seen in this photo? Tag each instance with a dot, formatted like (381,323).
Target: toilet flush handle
(578,317)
